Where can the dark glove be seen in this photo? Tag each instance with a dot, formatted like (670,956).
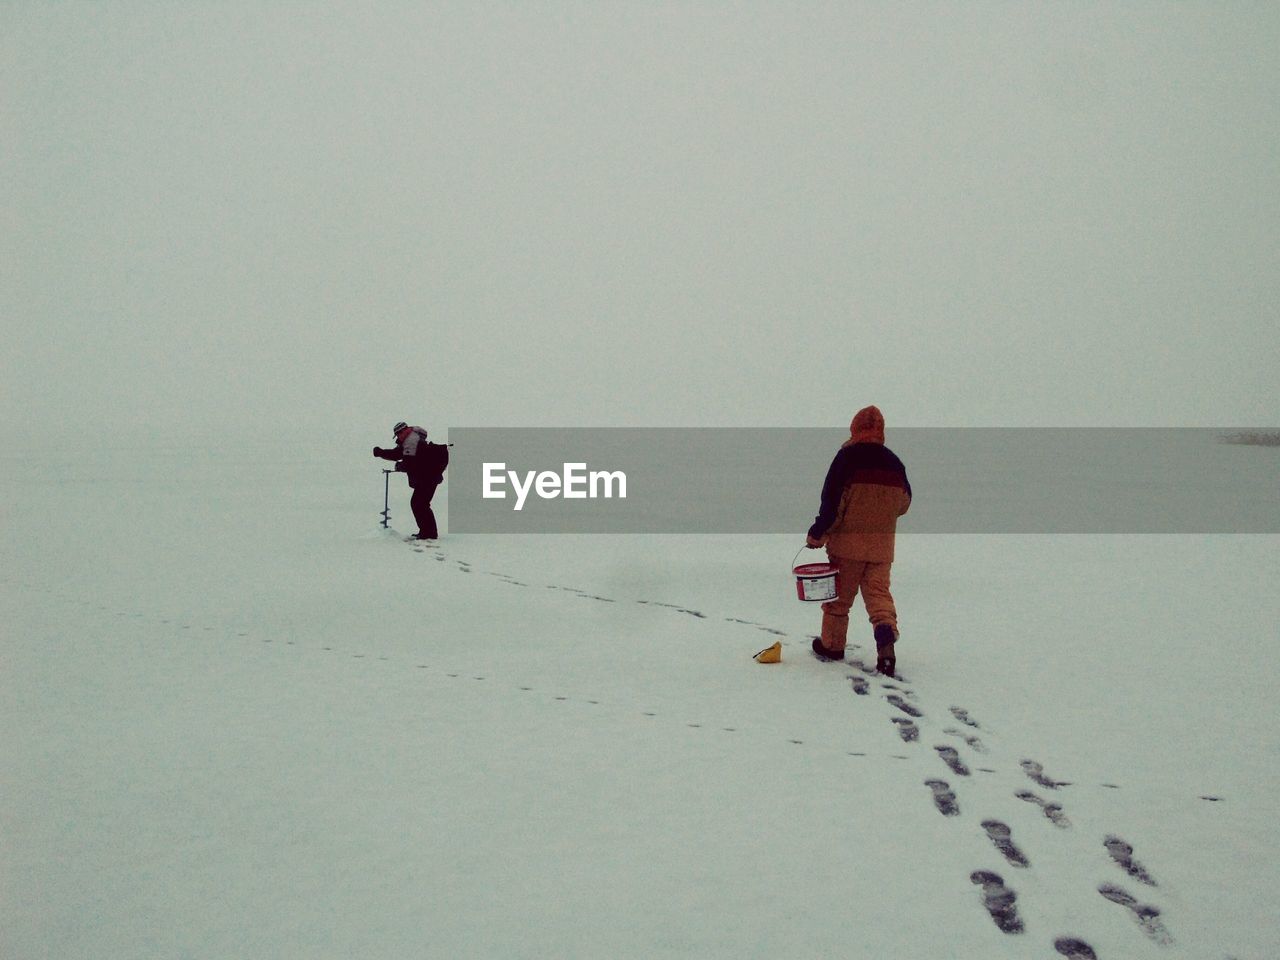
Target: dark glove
(377,451)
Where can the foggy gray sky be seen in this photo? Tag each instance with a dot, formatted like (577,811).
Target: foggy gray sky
(244,217)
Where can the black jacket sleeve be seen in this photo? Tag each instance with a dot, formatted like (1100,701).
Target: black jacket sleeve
(832,489)
(395,453)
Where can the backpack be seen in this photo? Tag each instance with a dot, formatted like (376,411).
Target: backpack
(433,458)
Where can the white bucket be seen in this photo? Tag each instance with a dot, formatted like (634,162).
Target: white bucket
(815,581)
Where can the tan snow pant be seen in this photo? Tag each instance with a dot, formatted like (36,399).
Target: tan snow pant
(851,576)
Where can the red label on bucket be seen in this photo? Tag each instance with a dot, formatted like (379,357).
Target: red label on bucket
(815,581)
(815,570)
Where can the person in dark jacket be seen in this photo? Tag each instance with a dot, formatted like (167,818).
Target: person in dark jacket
(424,463)
(865,492)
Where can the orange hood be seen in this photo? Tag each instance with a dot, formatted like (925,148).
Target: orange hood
(867,426)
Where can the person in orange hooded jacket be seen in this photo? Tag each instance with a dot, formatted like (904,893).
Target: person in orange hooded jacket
(865,492)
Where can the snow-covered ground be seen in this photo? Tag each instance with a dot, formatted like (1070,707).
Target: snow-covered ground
(240,720)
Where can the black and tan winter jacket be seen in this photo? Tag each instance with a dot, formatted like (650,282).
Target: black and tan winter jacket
(865,492)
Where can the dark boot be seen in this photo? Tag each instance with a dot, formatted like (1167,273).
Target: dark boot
(886,662)
(825,654)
